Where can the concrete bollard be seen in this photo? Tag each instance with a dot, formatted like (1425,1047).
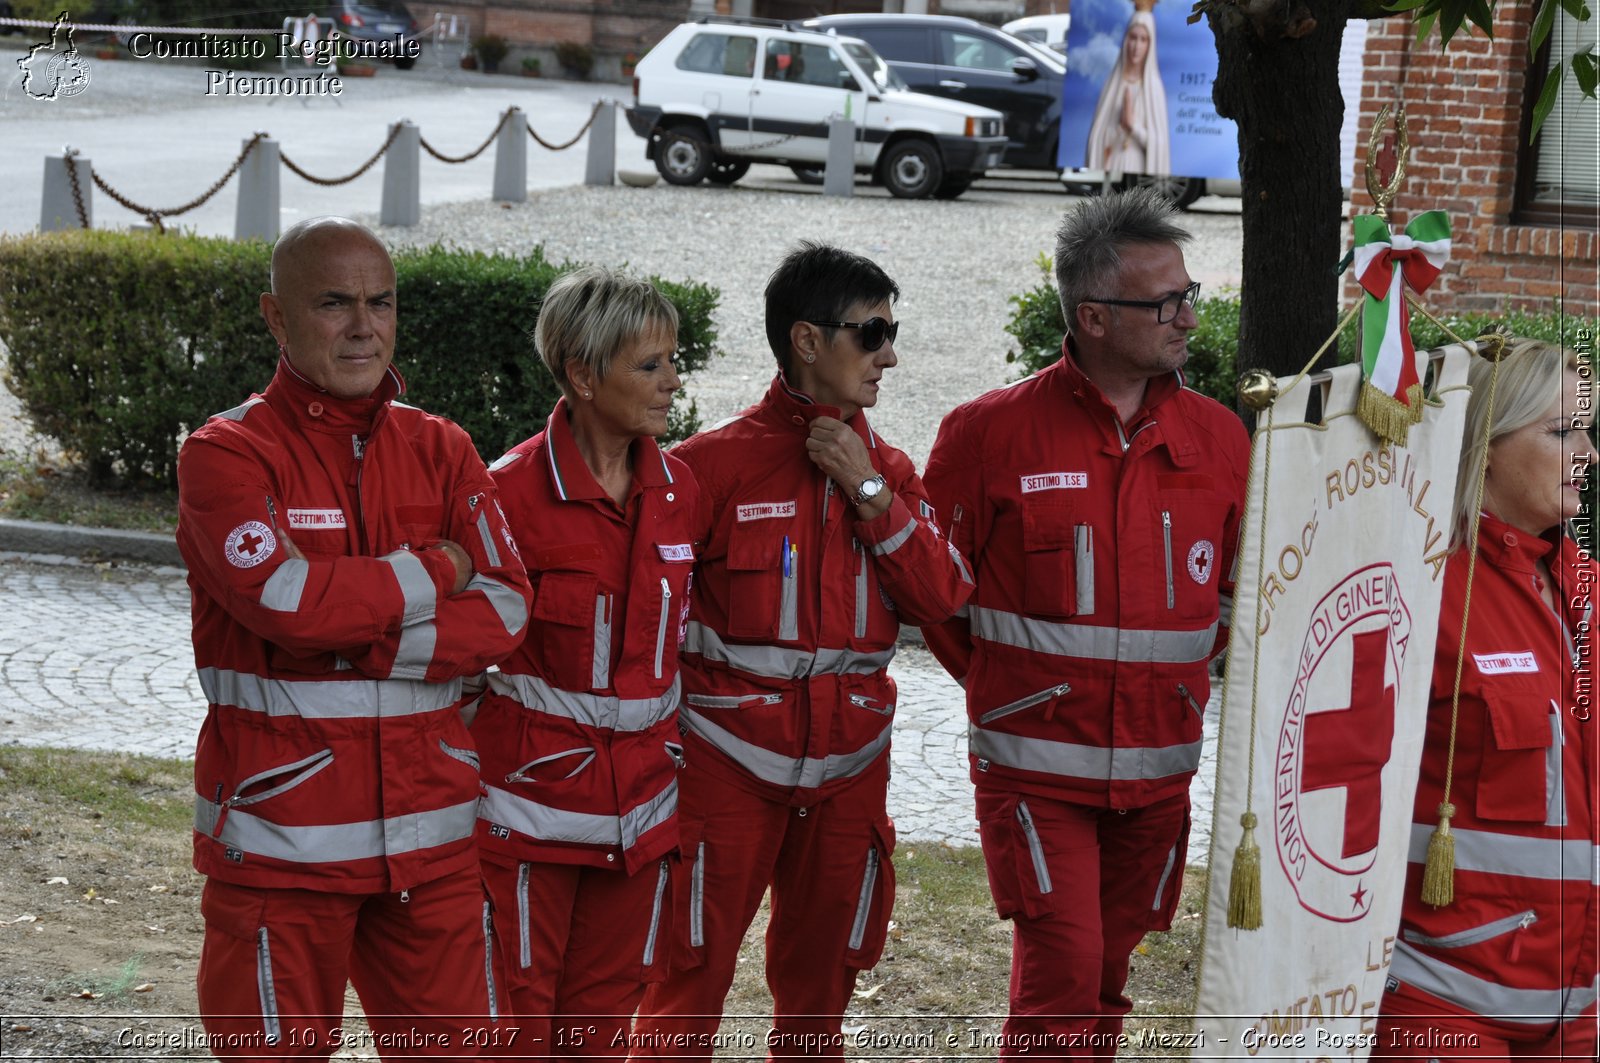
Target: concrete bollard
(511,159)
(601,167)
(256,214)
(57,210)
(402,178)
(839,178)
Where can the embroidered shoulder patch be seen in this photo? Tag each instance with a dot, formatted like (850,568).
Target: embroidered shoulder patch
(249,544)
(1202,561)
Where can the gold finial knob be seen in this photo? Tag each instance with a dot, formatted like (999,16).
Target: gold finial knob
(1258,389)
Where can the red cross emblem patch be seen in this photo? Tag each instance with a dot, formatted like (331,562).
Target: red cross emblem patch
(250,544)
(1202,561)
(1332,768)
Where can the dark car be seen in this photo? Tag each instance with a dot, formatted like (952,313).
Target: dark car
(385,22)
(943,55)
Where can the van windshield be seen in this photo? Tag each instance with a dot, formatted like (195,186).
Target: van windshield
(876,68)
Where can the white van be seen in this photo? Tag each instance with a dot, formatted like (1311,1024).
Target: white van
(1048,30)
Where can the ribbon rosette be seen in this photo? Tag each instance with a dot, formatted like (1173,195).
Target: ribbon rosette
(1386,264)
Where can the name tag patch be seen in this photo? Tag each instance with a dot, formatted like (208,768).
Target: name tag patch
(765,510)
(1505,663)
(675,551)
(316,518)
(1053,481)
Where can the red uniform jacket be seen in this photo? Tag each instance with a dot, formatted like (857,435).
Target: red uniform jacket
(1104,556)
(1518,943)
(333,756)
(579,730)
(797,604)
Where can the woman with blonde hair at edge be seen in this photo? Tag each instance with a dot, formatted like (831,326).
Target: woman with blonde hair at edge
(1129,132)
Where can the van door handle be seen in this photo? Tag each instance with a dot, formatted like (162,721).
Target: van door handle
(952,84)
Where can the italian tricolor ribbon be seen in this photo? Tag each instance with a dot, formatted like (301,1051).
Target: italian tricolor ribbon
(1386,264)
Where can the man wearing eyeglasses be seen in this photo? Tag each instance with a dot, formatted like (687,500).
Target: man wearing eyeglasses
(820,541)
(1098,503)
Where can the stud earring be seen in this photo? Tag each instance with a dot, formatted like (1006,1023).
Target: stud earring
(810,358)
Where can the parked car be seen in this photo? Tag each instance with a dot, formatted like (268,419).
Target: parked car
(718,94)
(1048,30)
(959,59)
(385,22)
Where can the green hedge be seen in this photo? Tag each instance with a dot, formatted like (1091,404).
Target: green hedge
(120,343)
(1037,326)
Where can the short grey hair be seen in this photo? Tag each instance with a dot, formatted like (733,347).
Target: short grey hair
(1093,235)
(592,313)
(1531,376)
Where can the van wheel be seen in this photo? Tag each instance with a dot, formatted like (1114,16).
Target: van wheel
(953,186)
(727,171)
(683,157)
(913,169)
(1179,191)
(806,174)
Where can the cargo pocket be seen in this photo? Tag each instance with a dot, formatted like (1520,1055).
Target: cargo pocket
(1512,768)
(1049,542)
(761,591)
(1013,853)
(656,958)
(869,927)
(1169,887)
(241,912)
(564,617)
(1190,529)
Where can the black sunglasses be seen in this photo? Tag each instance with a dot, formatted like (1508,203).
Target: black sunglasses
(874,330)
(1166,309)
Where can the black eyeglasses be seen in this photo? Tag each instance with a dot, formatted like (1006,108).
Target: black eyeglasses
(874,330)
(1166,309)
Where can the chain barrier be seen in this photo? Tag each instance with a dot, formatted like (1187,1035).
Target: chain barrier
(473,154)
(77,190)
(151,214)
(543,143)
(363,168)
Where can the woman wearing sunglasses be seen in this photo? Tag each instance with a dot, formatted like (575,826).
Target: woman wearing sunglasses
(821,543)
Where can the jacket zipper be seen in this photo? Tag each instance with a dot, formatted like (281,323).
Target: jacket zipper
(869,885)
(661,629)
(1183,692)
(861,588)
(733,701)
(1041,871)
(524,919)
(1166,542)
(1025,703)
(1478,934)
(882,708)
(649,957)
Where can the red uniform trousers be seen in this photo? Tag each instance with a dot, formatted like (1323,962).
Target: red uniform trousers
(832,892)
(275,962)
(1425,1027)
(1081,886)
(576,946)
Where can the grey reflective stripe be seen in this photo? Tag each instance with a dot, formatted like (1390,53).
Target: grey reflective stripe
(1225,610)
(265,989)
(1083,762)
(1555,809)
(302,770)
(331,842)
(421,596)
(861,589)
(487,536)
(511,607)
(779,770)
(1474,935)
(697,898)
(524,919)
(326,699)
(778,662)
(869,882)
(897,540)
(655,917)
(1166,873)
(961,566)
(283,589)
(600,666)
(1090,642)
(1553,859)
(238,412)
(586,828)
(1083,567)
(414,653)
(1523,1007)
(505,459)
(590,710)
(488,961)
(1041,870)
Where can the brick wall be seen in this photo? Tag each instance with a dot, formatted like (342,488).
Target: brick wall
(1464,109)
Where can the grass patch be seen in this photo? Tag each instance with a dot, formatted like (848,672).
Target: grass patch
(33,487)
(115,789)
(107,988)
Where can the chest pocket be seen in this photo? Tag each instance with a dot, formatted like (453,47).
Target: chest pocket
(420,524)
(571,620)
(761,582)
(1058,558)
(1517,765)
(1188,531)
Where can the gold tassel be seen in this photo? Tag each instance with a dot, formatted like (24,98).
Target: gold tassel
(1244,885)
(1386,415)
(1439,873)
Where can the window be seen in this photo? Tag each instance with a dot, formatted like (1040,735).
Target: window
(805,64)
(1558,178)
(716,53)
(902,44)
(972,52)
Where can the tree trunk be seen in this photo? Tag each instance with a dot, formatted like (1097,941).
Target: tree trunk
(1283,91)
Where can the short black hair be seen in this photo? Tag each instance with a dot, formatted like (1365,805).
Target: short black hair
(819,282)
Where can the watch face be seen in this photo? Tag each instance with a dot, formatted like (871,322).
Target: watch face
(869,489)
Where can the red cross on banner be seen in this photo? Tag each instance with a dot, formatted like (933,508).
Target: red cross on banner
(1348,747)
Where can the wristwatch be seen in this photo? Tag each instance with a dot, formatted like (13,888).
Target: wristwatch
(870,488)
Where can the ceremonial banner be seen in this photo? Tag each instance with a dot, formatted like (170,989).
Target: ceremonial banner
(1340,652)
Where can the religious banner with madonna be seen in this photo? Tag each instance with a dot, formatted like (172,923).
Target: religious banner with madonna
(1341,570)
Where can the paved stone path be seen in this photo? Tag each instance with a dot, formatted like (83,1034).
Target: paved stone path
(96,656)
